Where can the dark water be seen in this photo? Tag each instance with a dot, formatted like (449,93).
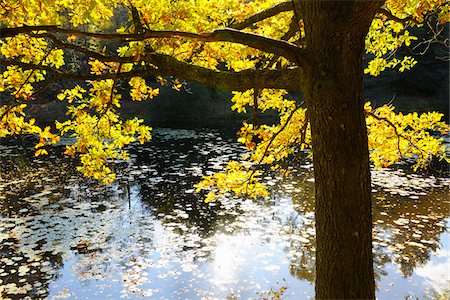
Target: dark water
(149,235)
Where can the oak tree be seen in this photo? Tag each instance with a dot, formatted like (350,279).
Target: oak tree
(259,49)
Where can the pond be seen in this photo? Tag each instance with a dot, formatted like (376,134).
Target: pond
(149,235)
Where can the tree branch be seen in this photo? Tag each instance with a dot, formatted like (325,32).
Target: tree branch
(272,138)
(227,80)
(397,134)
(282,48)
(390,16)
(265,44)
(90,53)
(165,65)
(265,14)
(73,76)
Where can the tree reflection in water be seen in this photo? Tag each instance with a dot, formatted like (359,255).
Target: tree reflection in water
(407,229)
(150,230)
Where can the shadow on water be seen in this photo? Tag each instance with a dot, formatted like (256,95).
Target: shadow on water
(149,234)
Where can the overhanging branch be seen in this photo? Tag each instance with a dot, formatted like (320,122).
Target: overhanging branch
(165,65)
(80,49)
(391,16)
(265,14)
(262,43)
(279,47)
(227,80)
(58,74)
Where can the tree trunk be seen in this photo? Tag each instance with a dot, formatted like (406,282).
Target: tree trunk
(335,34)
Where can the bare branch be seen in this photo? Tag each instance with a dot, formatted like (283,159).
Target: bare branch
(265,14)
(437,37)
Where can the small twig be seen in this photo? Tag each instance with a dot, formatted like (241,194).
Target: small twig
(255,107)
(304,129)
(73,76)
(136,19)
(277,133)
(435,38)
(8,104)
(44,86)
(196,51)
(390,123)
(31,73)
(392,100)
(255,167)
(393,126)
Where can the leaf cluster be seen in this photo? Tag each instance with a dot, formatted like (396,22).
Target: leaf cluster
(256,48)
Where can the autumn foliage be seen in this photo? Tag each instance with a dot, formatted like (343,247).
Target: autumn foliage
(125,41)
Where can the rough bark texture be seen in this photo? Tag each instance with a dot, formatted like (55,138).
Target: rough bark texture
(335,41)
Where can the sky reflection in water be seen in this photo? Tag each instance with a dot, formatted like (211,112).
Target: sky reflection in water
(148,234)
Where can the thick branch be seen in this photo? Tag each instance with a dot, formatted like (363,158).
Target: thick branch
(390,16)
(169,66)
(282,48)
(266,44)
(265,14)
(227,80)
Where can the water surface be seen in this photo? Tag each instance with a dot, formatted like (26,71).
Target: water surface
(149,235)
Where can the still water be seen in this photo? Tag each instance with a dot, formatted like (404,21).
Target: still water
(150,236)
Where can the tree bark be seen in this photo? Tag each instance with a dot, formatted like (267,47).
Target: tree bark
(335,34)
